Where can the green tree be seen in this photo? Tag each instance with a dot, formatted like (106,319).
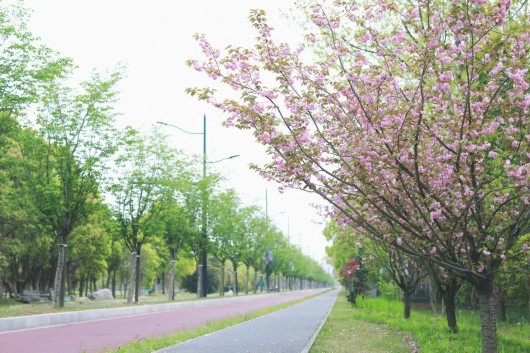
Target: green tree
(177,229)
(196,197)
(239,240)
(344,245)
(114,262)
(22,236)
(223,222)
(447,286)
(404,271)
(144,164)
(80,137)
(26,67)
(91,246)
(149,265)
(256,224)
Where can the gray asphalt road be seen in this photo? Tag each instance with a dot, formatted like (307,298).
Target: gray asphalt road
(284,331)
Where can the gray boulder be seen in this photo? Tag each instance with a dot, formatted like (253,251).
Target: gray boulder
(102,294)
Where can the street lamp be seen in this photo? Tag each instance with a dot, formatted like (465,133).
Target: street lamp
(202,278)
(222,159)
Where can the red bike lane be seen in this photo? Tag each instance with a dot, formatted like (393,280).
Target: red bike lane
(96,336)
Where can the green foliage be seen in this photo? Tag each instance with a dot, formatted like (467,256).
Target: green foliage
(189,282)
(431,332)
(387,289)
(226,224)
(150,263)
(26,66)
(343,246)
(91,247)
(184,267)
(77,126)
(24,240)
(137,185)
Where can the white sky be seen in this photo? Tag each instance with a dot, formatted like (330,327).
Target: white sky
(154,39)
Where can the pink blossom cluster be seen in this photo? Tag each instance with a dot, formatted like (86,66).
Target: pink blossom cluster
(416,132)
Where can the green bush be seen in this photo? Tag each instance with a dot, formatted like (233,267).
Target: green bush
(387,289)
(190,282)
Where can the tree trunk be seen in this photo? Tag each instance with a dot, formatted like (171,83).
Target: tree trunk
(487,316)
(406,305)
(10,288)
(63,278)
(171,286)
(448,291)
(235,280)
(255,286)
(528,291)
(527,287)
(433,298)
(58,286)
(109,274)
(1,286)
(67,277)
(81,286)
(199,278)
(222,280)
(114,284)
(248,280)
(500,307)
(137,280)
(267,278)
(131,286)
(450,310)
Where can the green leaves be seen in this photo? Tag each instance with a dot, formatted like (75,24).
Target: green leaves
(26,66)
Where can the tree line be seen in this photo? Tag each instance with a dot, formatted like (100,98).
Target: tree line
(82,202)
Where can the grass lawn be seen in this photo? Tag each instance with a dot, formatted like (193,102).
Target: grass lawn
(377,325)
(343,333)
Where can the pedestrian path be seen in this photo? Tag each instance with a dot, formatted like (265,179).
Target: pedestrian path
(289,330)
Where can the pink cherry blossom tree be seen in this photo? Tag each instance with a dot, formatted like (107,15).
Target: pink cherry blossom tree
(412,121)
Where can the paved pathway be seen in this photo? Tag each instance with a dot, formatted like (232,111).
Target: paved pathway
(285,331)
(96,335)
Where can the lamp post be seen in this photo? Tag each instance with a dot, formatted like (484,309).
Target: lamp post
(202,278)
